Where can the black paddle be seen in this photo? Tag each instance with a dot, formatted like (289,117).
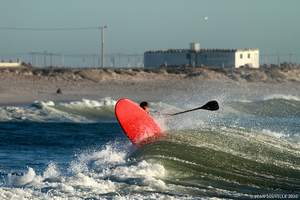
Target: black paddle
(212,106)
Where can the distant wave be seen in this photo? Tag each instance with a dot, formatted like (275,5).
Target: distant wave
(75,111)
(276,105)
(84,111)
(277,96)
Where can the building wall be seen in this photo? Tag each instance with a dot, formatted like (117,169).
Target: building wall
(10,63)
(218,58)
(243,57)
(158,59)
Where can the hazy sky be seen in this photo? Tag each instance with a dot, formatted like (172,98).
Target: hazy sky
(135,26)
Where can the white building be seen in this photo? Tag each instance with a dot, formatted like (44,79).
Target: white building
(208,57)
(10,63)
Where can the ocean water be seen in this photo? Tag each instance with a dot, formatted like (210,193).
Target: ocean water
(77,150)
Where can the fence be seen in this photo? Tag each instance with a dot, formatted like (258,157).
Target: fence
(117,60)
(275,58)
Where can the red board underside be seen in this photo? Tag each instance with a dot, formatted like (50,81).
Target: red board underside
(136,122)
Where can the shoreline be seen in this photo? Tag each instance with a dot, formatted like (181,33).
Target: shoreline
(23,86)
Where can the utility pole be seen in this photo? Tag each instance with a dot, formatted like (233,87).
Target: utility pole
(94,60)
(139,63)
(103,27)
(135,60)
(278,59)
(112,61)
(62,58)
(30,58)
(291,60)
(45,55)
(35,59)
(51,59)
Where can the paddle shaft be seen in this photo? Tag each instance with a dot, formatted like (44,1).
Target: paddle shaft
(212,106)
(185,111)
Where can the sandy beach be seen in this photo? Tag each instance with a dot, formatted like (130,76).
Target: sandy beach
(26,85)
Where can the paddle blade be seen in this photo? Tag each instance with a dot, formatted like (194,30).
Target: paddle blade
(212,106)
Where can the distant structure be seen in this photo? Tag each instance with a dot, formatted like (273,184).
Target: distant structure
(10,63)
(229,58)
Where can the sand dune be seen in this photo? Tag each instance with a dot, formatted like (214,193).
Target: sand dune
(25,85)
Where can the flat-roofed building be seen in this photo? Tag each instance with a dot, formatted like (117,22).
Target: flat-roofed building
(208,57)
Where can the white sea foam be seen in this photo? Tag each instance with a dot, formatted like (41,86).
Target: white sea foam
(22,180)
(91,103)
(275,134)
(90,175)
(48,112)
(97,161)
(51,171)
(277,96)
(41,104)
(281,135)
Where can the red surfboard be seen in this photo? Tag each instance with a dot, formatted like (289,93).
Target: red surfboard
(136,122)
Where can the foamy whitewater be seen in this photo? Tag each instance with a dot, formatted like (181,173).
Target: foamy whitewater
(77,150)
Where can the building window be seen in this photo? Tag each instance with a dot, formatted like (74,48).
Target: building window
(248,55)
(205,56)
(241,56)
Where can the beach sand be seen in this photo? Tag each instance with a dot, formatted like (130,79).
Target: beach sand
(26,85)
